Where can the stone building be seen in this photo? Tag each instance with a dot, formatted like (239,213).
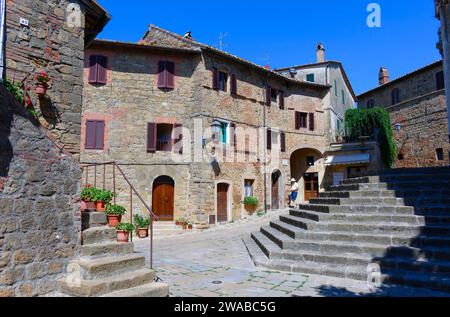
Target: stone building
(342,96)
(40,179)
(197,129)
(417,106)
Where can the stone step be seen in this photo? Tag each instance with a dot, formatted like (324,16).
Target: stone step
(406,210)
(417,183)
(106,248)
(107,266)
(406,194)
(429,281)
(441,267)
(91,288)
(359,201)
(416,171)
(99,234)
(366,217)
(93,219)
(147,290)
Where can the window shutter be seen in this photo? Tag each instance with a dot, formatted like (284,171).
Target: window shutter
(90,135)
(215,79)
(92,69)
(311,122)
(161,74)
(178,136)
(268,96)
(440,83)
(233,84)
(281,99)
(234,134)
(269,139)
(99,135)
(102,68)
(297,120)
(170,75)
(151,137)
(283,141)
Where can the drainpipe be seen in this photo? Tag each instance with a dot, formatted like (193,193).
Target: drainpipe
(2,38)
(264,145)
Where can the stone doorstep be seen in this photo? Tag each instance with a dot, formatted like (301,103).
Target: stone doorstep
(88,288)
(147,290)
(99,234)
(105,266)
(106,248)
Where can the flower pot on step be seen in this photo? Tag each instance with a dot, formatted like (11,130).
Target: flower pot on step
(250,208)
(142,232)
(100,206)
(41,89)
(123,236)
(114,220)
(87,206)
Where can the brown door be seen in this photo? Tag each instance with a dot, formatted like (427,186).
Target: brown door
(163,199)
(222,202)
(311,185)
(275,190)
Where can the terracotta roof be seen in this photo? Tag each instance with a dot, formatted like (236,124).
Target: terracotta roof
(404,77)
(214,50)
(144,46)
(344,74)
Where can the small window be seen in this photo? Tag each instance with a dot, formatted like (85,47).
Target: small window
(164,137)
(98,65)
(440,81)
(310,78)
(440,154)
(400,157)
(223,137)
(273,95)
(95,135)
(395,96)
(370,104)
(166,75)
(310,161)
(223,77)
(335,88)
(301,120)
(248,187)
(343,96)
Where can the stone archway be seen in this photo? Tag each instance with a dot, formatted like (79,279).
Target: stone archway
(308,170)
(276,190)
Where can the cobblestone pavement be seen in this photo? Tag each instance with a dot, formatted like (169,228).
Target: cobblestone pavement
(215,263)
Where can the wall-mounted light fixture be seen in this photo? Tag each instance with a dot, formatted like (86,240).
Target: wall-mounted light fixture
(398,127)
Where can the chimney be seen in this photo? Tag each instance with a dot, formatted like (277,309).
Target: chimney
(383,76)
(188,35)
(320,53)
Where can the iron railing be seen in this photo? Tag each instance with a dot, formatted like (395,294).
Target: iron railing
(87,167)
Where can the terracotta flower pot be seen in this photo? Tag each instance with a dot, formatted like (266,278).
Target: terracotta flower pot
(87,205)
(114,220)
(41,89)
(100,206)
(250,208)
(189,227)
(123,236)
(185,227)
(142,232)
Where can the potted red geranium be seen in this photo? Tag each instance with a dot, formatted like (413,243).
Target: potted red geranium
(42,80)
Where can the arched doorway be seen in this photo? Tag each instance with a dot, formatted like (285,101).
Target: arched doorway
(163,198)
(307,170)
(223,204)
(276,189)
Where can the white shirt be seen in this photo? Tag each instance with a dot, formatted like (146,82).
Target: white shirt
(294,187)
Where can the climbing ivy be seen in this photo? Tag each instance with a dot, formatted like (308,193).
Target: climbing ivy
(376,123)
(15,89)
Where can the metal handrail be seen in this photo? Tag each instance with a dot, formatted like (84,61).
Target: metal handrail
(153,217)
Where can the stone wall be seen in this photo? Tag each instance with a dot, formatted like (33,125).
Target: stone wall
(49,44)
(39,187)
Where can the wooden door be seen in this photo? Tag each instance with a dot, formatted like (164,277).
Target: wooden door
(311,185)
(162,202)
(222,202)
(275,190)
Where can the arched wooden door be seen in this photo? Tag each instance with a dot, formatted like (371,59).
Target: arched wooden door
(163,198)
(276,189)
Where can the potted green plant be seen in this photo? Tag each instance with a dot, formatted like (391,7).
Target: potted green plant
(179,221)
(114,214)
(86,198)
(42,80)
(123,231)
(101,198)
(141,225)
(250,204)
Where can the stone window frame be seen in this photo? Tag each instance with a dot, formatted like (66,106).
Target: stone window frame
(440,154)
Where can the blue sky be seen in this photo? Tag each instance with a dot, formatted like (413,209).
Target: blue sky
(283,33)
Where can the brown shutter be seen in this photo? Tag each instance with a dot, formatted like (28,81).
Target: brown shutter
(102,68)
(268,95)
(281,99)
(151,137)
(269,139)
(162,74)
(170,75)
(311,122)
(233,132)
(297,120)
(178,136)
(99,135)
(90,135)
(233,84)
(92,69)
(215,79)
(283,142)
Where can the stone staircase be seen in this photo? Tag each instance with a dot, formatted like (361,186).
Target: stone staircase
(166,228)
(398,221)
(107,268)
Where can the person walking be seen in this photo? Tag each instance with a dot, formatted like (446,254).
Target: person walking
(294,192)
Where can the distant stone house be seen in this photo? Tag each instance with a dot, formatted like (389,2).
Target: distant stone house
(416,103)
(160,106)
(342,96)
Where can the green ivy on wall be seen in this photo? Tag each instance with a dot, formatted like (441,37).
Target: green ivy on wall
(376,123)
